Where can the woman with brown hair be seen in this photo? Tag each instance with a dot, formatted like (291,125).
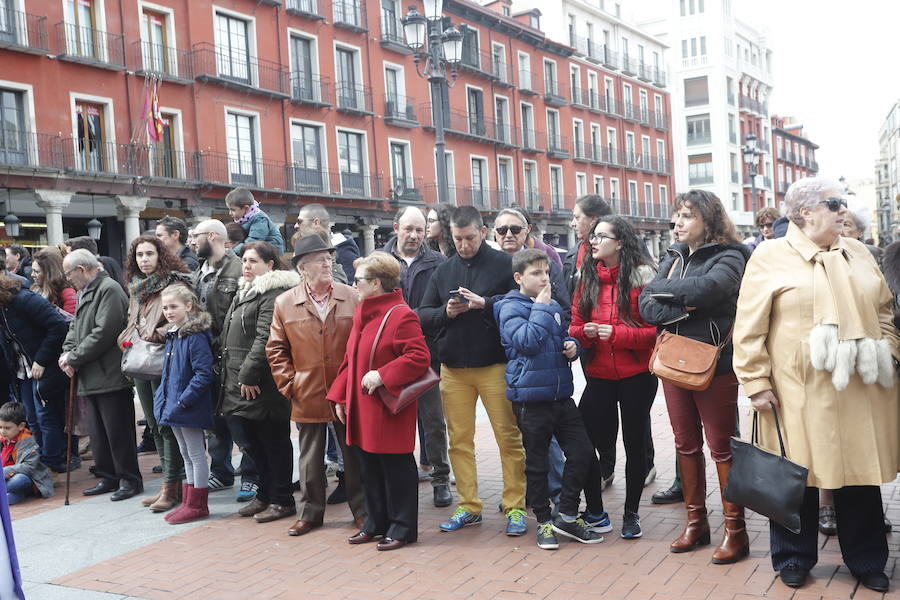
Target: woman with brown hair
(695,295)
(49,280)
(150,267)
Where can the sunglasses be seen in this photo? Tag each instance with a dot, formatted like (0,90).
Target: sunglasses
(516,229)
(671,224)
(768,225)
(834,204)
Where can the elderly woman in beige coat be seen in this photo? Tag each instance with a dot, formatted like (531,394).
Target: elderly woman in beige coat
(814,338)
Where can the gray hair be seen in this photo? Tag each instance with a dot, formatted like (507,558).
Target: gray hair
(316,211)
(861,213)
(515,213)
(808,192)
(82,258)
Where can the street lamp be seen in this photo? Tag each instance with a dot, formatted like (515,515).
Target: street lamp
(439,57)
(10,221)
(750,153)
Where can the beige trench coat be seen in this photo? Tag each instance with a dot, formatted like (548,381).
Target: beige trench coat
(844,438)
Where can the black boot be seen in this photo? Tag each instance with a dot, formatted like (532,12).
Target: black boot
(339,495)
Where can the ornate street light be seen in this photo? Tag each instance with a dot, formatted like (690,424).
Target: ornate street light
(750,153)
(94,226)
(436,54)
(10,221)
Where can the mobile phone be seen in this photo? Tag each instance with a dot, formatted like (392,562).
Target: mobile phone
(455,295)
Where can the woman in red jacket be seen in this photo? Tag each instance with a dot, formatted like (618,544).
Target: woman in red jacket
(617,345)
(383,441)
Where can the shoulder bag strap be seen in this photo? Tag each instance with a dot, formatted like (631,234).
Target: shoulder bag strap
(674,265)
(378,335)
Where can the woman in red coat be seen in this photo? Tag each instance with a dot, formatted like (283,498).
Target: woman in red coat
(384,442)
(617,344)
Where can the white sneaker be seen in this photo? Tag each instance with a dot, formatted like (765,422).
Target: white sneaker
(651,476)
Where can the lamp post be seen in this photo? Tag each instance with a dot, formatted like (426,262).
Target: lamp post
(10,221)
(439,57)
(750,153)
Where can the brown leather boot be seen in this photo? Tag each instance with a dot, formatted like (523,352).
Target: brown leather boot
(151,499)
(736,544)
(693,483)
(169,497)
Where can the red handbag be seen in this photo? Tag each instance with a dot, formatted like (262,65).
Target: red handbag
(413,390)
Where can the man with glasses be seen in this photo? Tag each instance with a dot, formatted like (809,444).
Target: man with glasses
(315,219)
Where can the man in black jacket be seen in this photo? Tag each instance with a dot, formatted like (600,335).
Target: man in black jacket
(457,310)
(417,264)
(174,232)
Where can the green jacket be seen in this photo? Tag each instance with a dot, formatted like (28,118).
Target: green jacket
(91,342)
(216,290)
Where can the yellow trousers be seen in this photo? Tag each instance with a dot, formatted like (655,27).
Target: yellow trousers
(460,389)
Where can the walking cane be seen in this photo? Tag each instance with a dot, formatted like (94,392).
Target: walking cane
(70,409)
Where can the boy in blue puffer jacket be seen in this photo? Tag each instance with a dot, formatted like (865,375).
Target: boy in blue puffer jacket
(540,387)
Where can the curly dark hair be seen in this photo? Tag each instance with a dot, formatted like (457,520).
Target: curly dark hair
(168,262)
(632,255)
(719,227)
(444,213)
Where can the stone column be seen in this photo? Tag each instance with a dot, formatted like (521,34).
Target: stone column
(655,245)
(368,239)
(197,214)
(53,202)
(571,239)
(129,209)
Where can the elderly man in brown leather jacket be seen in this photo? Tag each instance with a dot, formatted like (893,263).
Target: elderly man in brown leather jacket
(310,327)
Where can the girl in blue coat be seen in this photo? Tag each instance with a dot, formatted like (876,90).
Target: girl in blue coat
(184,399)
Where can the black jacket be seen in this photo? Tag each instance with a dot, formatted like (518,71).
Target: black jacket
(472,339)
(708,280)
(347,252)
(570,268)
(189,258)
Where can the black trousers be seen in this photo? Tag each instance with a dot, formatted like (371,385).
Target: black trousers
(861,534)
(268,443)
(113,436)
(391,486)
(601,403)
(538,422)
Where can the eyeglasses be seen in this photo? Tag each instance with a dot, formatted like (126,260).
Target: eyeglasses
(599,237)
(672,225)
(516,229)
(356,280)
(834,204)
(431,220)
(768,225)
(70,271)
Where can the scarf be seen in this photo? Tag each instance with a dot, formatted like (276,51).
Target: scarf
(144,287)
(251,212)
(8,452)
(846,336)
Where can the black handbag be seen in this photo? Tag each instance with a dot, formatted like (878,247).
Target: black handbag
(766,483)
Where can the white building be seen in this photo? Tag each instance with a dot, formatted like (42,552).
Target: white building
(720,78)
(888,175)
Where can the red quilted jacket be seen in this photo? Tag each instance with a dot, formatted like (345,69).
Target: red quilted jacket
(627,352)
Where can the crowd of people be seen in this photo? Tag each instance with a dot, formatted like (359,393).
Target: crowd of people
(225,343)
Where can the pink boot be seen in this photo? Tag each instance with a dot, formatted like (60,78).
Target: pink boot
(197,507)
(187,491)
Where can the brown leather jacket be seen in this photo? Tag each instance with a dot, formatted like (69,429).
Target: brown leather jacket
(305,353)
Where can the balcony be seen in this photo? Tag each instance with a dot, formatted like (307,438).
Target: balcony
(582,152)
(354,99)
(813,166)
(557,146)
(697,140)
(579,98)
(644,72)
(662,165)
(392,37)
(90,46)
(501,72)
(595,102)
(477,63)
(635,161)
(611,156)
(588,48)
(532,140)
(659,77)
(660,120)
(405,190)
(629,65)
(350,14)
(35,150)
(631,112)
(533,201)
(170,64)
(308,9)
(24,32)
(764,144)
(748,104)
(526,82)
(310,89)
(554,92)
(735,177)
(503,134)
(400,111)
(732,137)
(243,73)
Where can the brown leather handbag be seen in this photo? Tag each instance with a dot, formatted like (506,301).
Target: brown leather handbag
(413,390)
(687,363)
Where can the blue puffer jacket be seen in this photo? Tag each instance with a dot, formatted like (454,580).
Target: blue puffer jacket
(532,335)
(184,397)
(261,229)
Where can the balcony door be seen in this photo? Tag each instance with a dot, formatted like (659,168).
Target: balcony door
(8,32)
(350,159)
(153,28)
(233,49)
(81,26)
(504,182)
(346,76)
(91,154)
(302,67)
(402,181)
(13,141)
(241,148)
(307,146)
(479,192)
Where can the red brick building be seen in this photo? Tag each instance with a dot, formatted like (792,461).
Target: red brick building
(307,101)
(794,155)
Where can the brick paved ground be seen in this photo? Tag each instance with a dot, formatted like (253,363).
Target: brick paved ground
(231,557)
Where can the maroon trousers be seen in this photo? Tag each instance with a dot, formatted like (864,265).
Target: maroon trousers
(712,411)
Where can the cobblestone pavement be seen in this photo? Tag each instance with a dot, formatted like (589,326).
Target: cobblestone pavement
(112,551)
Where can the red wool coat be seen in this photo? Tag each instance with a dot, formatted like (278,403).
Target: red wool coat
(401,357)
(627,351)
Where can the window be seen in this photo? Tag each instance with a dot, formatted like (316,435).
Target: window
(626,101)
(92,153)
(308,167)
(698,130)
(632,198)
(624,49)
(629,148)
(498,62)
(347,11)
(578,135)
(550,86)
(502,132)
(644,160)
(505,11)
(155,46)
(504,182)
(613,190)
(594,153)
(402,180)
(13,138)
(663,202)
(660,114)
(535,21)
(611,146)
(573,41)
(609,95)
(556,187)
(305,80)
(575,84)
(470,54)
(553,137)
(350,93)
(232,48)
(81,24)
(530,183)
(392,81)
(696,91)
(684,48)
(598,185)
(661,157)
(648,199)
(580,185)
(163,152)
(391,26)
(729,87)
(733,162)
(241,141)
(525,72)
(528,140)
(351,162)
(475,104)
(645,107)
(593,93)
(479,182)
(700,169)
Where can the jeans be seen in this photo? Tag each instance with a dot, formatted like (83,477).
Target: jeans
(332,452)
(539,423)
(19,487)
(226,432)
(47,424)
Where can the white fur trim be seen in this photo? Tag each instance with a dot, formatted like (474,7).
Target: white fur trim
(823,342)
(867,360)
(886,376)
(845,364)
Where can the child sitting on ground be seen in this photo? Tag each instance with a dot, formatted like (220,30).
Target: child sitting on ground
(244,209)
(23,470)
(540,386)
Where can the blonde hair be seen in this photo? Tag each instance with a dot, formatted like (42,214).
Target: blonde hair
(183,293)
(381,266)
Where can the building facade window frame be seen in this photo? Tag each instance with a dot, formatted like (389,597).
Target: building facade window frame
(557,186)
(228,65)
(174,163)
(480,180)
(502,119)
(305,85)
(255,177)
(160,56)
(85,39)
(108,131)
(26,145)
(407,178)
(308,177)
(353,182)
(505,183)
(349,93)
